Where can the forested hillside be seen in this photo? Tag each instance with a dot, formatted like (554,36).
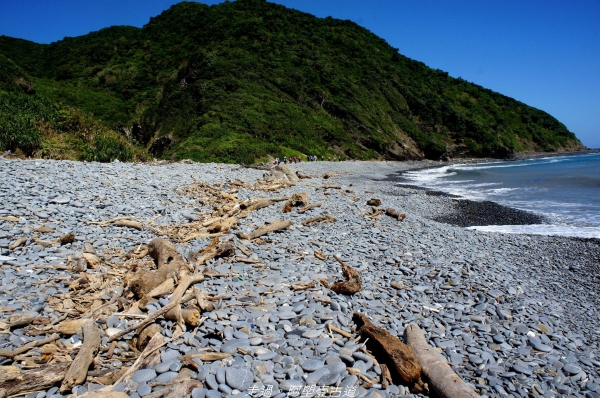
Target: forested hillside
(242,80)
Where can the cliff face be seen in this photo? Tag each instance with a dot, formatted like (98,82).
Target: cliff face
(241,80)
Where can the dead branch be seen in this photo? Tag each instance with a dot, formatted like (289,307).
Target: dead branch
(188,315)
(374,202)
(394,214)
(310,206)
(41,379)
(151,317)
(318,219)
(149,357)
(272,227)
(19,242)
(168,262)
(389,350)
(442,379)
(28,346)
(353,282)
(79,367)
(214,250)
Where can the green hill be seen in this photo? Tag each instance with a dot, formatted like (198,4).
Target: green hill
(243,80)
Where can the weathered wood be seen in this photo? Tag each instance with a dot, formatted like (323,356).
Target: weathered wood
(353,282)
(302,176)
(149,357)
(265,229)
(168,263)
(17,321)
(310,206)
(442,379)
(128,224)
(68,237)
(223,225)
(389,350)
(151,317)
(40,379)
(374,202)
(250,205)
(394,214)
(188,315)
(399,286)
(28,346)
(216,250)
(71,326)
(210,356)
(92,260)
(79,367)
(19,242)
(298,199)
(180,386)
(324,218)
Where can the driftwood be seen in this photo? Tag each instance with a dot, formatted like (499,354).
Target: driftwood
(353,282)
(399,286)
(149,357)
(394,214)
(17,243)
(151,317)
(68,237)
(250,205)
(320,255)
(16,321)
(216,250)
(168,262)
(71,326)
(443,381)
(292,178)
(210,356)
(374,202)
(389,350)
(329,186)
(41,379)
(27,347)
(128,224)
(274,226)
(310,206)
(223,225)
(298,199)
(180,386)
(188,315)
(92,260)
(302,176)
(79,367)
(339,331)
(325,218)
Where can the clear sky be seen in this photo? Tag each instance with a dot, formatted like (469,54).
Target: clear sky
(545,53)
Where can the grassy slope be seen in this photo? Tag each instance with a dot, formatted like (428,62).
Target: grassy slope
(238,81)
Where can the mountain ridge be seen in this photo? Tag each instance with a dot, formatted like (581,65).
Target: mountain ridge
(241,81)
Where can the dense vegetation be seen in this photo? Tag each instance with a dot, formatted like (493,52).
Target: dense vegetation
(243,80)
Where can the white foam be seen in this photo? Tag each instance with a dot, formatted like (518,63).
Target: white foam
(542,229)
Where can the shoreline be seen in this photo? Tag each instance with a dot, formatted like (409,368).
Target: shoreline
(509,313)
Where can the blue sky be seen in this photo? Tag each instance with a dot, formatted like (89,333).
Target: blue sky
(545,53)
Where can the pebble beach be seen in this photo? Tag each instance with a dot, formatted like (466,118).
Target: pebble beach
(513,315)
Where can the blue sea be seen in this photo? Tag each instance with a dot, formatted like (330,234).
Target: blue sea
(565,189)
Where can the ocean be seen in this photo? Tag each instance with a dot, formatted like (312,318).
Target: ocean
(564,189)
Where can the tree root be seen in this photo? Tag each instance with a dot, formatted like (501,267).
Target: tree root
(353,282)
(443,381)
(389,350)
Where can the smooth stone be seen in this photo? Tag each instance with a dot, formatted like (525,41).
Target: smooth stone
(287,385)
(239,378)
(522,369)
(144,375)
(312,365)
